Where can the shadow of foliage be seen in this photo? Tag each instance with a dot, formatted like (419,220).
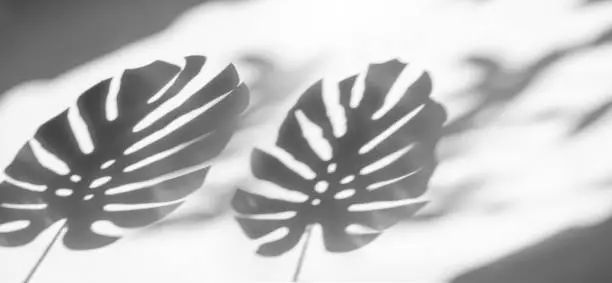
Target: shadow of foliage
(576,255)
(589,2)
(42,39)
(592,118)
(501,85)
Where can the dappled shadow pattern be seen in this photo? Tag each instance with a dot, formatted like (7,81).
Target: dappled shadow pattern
(500,85)
(121,157)
(365,171)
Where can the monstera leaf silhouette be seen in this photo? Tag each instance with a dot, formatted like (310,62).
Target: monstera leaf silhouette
(130,150)
(362,169)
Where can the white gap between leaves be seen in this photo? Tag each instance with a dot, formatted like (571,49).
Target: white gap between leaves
(321,187)
(114,207)
(164,89)
(111,109)
(358,90)
(406,78)
(383,184)
(314,136)
(293,164)
(25,185)
(276,192)
(161,155)
(155,181)
(390,130)
(107,164)
(385,161)
(335,111)
(80,130)
(23,206)
(48,159)
(381,205)
(173,126)
(205,75)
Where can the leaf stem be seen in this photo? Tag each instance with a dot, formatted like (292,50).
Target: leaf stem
(300,262)
(45,253)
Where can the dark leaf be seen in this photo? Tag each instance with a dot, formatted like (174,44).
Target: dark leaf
(366,173)
(128,152)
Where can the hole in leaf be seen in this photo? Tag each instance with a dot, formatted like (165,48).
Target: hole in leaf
(332,168)
(344,194)
(347,179)
(321,187)
(163,90)
(107,164)
(64,192)
(99,182)
(75,178)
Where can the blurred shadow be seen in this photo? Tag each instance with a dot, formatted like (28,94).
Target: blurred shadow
(454,199)
(592,118)
(42,39)
(501,85)
(576,255)
(497,88)
(588,2)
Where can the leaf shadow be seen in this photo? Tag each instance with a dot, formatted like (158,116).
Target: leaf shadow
(43,39)
(574,255)
(501,85)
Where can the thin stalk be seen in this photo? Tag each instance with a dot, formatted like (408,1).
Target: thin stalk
(45,253)
(300,262)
